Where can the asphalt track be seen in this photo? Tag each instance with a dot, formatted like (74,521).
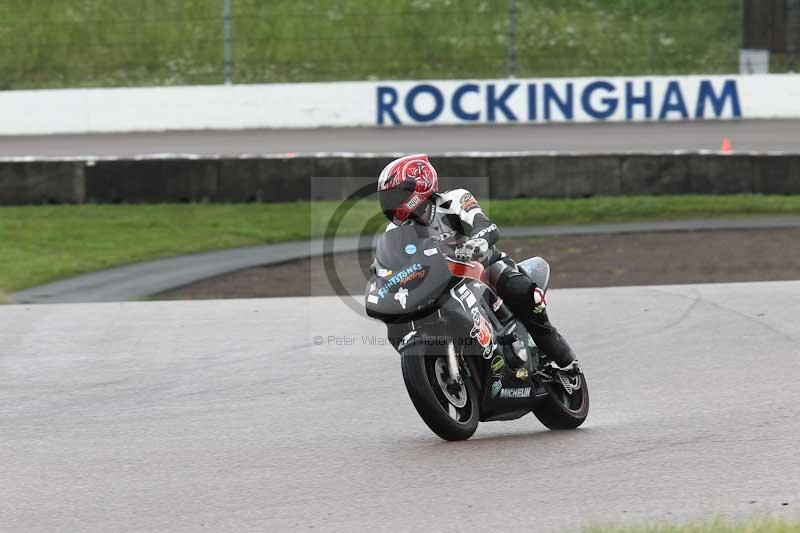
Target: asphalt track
(225,416)
(745,135)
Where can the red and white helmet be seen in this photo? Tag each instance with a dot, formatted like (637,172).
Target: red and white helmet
(404,187)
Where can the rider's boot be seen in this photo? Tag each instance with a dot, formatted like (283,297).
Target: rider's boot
(528,304)
(550,341)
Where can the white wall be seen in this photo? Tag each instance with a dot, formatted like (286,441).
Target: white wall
(308,105)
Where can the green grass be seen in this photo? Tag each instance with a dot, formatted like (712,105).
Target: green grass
(631,208)
(68,43)
(764,525)
(44,243)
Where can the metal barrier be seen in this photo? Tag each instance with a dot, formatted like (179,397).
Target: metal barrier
(91,43)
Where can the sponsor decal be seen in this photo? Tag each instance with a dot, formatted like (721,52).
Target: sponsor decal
(497,387)
(373,299)
(481,332)
(521,392)
(470,204)
(411,249)
(466,295)
(373,286)
(559,100)
(384,273)
(522,373)
(431,251)
(398,278)
(498,364)
(419,274)
(444,236)
(484,231)
(401,296)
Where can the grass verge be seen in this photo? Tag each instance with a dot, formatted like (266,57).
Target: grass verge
(765,525)
(44,243)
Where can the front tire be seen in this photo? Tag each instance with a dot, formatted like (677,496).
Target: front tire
(562,410)
(430,396)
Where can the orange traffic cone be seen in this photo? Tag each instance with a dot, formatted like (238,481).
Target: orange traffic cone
(726,146)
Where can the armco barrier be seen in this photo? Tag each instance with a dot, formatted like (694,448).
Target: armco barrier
(280,179)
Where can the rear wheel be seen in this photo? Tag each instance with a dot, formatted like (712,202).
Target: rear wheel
(448,407)
(567,404)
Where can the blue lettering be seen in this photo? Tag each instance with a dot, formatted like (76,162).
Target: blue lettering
(386,106)
(532,102)
(609,103)
(458,111)
(493,102)
(646,100)
(667,106)
(437,107)
(565,105)
(729,92)
(397,278)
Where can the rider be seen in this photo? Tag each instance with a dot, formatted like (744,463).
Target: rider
(408,188)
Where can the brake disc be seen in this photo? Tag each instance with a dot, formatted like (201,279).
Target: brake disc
(455,392)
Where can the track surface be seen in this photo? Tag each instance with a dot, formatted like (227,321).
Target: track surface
(641,137)
(224,416)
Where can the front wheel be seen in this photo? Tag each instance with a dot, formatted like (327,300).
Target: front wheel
(449,408)
(567,404)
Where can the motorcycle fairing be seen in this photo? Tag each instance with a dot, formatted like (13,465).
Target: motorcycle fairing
(411,273)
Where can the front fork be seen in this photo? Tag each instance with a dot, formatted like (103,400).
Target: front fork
(452,364)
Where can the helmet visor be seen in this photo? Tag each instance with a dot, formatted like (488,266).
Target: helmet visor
(392,199)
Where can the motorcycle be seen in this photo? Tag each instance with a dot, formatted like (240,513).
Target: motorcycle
(465,358)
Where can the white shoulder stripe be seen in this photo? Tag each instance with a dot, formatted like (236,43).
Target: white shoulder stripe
(469,216)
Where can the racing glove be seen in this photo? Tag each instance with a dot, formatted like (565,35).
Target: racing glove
(473,249)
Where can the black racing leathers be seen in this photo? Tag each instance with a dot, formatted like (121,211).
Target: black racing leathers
(520,295)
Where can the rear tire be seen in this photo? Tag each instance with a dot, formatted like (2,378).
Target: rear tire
(561,410)
(439,413)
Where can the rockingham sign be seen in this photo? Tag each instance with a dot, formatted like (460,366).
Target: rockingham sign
(580,100)
(401,103)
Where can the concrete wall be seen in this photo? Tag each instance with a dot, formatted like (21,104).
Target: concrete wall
(42,182)
(392,103)
(276,179)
